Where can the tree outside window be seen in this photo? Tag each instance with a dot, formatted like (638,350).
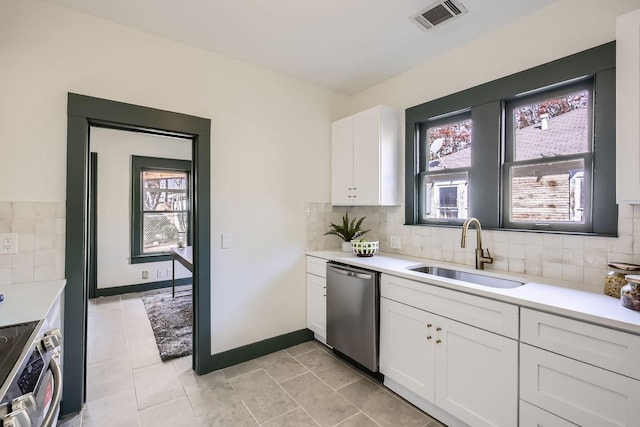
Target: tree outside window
(160,207)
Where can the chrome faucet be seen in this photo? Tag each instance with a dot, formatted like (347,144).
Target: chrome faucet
(481,260)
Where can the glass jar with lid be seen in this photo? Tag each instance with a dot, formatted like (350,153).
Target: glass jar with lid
(615,278)
(630,293)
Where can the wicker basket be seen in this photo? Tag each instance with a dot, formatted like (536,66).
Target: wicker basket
(364,248)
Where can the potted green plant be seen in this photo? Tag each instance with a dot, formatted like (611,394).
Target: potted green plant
(347,231)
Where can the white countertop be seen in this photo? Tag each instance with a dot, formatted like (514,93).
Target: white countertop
(27,302)
(537,293)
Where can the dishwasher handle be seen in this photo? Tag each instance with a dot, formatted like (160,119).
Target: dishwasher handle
(350,273)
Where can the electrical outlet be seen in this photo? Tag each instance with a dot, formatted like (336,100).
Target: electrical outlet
(395,242)
(8,243)
(145,274)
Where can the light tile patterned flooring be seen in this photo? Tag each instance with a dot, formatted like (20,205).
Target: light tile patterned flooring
(305,385)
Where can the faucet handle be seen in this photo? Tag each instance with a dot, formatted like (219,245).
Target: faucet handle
(489,259)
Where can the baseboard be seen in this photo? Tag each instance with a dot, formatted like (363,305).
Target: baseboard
(256,349)
(140,287)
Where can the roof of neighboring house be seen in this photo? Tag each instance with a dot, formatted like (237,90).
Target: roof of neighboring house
(567,134)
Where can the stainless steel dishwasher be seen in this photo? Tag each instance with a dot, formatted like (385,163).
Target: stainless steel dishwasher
(353,317)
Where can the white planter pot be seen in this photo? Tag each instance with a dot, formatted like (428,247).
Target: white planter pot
(346,247)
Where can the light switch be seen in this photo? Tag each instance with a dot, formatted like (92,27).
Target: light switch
(227,240)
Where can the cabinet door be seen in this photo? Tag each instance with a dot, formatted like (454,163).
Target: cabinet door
(317,305)
(580,393)
(342,162)
(406,347)
(628,107)
(476,375)
(366,161)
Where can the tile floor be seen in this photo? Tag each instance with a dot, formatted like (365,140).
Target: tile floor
(305,385)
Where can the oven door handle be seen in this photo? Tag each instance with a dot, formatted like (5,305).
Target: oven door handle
(57,391)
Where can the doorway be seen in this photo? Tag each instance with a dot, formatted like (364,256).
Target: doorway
(82,113)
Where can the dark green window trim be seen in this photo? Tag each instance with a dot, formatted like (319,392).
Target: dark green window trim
(138,165)
(486,103)
(426,172)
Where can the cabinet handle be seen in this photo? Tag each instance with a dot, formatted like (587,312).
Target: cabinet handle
(438,328)
(429,325)
(438,341)
(324,295)
(429,337)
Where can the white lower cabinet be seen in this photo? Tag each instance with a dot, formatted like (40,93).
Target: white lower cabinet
(476,375)
(407,347)
(576,391)
(317,305)
(469,373)
(317,297)
(583,373)
(532,416)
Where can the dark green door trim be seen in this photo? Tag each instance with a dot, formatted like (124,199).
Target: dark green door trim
(93,226)
(82,112)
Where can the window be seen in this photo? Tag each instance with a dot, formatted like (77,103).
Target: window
(548,160)
(160,206)
(531,151)
(445,168)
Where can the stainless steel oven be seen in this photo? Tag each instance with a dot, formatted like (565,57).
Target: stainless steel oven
(32,385)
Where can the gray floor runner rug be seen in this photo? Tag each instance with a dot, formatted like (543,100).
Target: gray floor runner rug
(171,321)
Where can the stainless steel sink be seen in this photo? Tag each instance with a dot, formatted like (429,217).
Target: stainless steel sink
(464,276)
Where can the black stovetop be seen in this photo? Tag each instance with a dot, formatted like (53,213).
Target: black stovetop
(13,339)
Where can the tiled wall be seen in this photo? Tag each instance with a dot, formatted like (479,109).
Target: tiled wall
(41,241)
(581,261)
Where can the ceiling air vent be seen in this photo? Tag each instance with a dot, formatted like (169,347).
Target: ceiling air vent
(438,13)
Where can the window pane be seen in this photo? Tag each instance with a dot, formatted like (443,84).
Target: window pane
(446,196)
(548,192)
(554,127)
(164,190)
(450,146)
(160,230)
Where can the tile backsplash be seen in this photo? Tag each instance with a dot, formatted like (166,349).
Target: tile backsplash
(41,241)
(580,261)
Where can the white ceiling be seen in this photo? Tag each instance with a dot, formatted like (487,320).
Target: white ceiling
(344,45)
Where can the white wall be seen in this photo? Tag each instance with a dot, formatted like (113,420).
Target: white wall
(269,153)
(563,28)
(115,148)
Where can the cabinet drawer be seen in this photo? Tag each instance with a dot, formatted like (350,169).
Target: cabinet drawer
(317,266)
(580,393)
(494,316)
(607,348)
(532,416)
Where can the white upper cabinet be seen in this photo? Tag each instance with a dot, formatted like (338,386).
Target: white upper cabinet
(365,159)
(628,108)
